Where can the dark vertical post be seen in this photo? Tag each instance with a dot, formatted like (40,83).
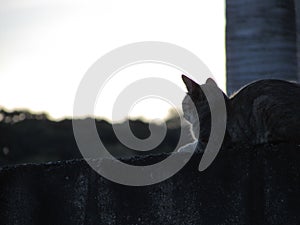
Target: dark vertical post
(261,41)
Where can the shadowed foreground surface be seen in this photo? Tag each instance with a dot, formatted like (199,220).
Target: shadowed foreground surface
(244,185)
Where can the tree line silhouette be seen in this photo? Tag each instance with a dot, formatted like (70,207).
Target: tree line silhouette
(26,137)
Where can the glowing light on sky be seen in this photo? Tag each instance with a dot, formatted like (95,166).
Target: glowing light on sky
(47,46)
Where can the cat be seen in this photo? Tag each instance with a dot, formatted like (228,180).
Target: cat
(265,111)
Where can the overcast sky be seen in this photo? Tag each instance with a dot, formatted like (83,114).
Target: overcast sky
(47,46)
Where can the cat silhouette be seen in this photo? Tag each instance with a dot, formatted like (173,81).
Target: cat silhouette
(265,111)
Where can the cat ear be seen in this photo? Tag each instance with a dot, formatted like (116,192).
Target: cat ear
(211,82)
(191,85)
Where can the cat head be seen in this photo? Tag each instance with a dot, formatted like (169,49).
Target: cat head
(196,108)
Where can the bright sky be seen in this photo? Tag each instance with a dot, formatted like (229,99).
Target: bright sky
(48,45)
